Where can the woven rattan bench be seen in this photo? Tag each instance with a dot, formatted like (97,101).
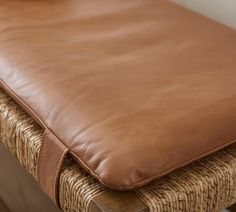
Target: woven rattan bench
(204,186)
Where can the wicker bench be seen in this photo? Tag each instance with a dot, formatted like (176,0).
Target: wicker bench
(206,185)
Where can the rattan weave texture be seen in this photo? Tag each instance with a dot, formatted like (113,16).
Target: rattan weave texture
(203,186)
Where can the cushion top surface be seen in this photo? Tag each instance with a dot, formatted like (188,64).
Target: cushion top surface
(134,88)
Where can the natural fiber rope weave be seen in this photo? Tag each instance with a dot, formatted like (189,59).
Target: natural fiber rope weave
(204,186)
(23,137)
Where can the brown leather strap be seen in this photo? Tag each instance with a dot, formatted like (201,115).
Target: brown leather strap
(50,162)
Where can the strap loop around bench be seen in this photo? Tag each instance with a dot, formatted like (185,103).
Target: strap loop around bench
(51,157)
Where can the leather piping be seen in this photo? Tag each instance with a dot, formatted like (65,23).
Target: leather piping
(86,167)
(23,104)
(144,181)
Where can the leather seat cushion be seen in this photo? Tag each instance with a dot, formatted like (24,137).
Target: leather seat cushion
(134,88)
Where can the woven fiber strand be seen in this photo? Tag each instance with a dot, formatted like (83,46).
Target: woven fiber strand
(203,186)
(206,185)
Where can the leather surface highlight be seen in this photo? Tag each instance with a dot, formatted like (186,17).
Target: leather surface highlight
(134,88)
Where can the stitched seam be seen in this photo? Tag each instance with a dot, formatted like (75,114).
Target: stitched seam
(47,128)
(5,87)
(140,182)
(80,160)
(148,179)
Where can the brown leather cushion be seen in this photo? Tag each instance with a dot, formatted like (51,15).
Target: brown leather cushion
(134,88)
